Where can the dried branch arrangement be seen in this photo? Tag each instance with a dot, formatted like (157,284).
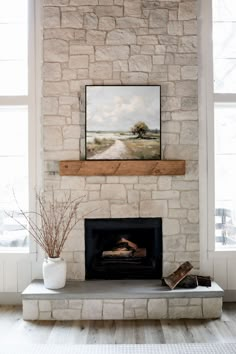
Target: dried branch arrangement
(52,224)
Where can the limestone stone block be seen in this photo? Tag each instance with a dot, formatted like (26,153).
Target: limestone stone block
(177,213)
(121,36)
(95,37)
(109,11)
(212,307)
(57,88)
(189,199)
(190,228)
(45,316)
(56,2)
(113,191)
(178,302)
(157,308)
(165,195)
(140,63)
(189,72)
(69,182)
(100,70)
(83,2)
(193,216)
(158,18)
(106,23)
(170,127)
(131,22)
(124,210)
(90,21)
(174,243)
(181,152)
(71,131)
(51,71)
(52,138)
(66,314)
(120,65)
(50,105)
(170,226)
(170,103)
(147,179)
(175,204)
(92,310)
(192,257)
(177,312)
(186,88)
(51,17)
(186,59)
(105,53)
(153,208)
(187,10)
(60,33)
(135,309)
(146,186)
(75,304)
(94,209)
(132,8)
(186,115)
(30,310)
(195,301)
(150,39)
(71,144)
(169,138)
(190,27)
(133,196)
(76,49)
(174,72)
(55,50)
(133,78)
(78,61)
(113,309)
(164,183)
(59,304)
(188,44)
(189,103)
(175,28)
(45,305)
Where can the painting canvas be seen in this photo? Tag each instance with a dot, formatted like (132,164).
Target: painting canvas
(123,123)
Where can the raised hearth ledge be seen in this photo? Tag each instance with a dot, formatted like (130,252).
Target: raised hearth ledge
(120,299)
(122,168)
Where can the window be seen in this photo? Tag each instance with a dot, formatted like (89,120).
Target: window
(224,59)
(14,112)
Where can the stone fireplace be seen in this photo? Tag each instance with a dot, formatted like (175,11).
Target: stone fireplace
(123,248)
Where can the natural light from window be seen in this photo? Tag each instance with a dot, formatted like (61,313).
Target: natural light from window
(13,120)
(224,56)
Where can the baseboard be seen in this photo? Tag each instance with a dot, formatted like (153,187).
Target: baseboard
(10,299)
(229,296)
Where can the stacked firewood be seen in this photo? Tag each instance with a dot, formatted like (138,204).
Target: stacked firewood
(125,248)
(181,278)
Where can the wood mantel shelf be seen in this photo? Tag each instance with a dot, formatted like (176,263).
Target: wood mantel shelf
(122,168)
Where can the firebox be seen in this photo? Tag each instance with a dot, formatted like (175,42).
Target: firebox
(128,248)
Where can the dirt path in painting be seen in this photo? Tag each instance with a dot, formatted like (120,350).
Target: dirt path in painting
(117,151)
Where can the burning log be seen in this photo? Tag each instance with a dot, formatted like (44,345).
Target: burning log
(130,244)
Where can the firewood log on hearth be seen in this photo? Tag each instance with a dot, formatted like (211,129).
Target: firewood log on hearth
(117,253)
(173,279)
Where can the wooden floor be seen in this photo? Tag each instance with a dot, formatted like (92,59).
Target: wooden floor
(13,328)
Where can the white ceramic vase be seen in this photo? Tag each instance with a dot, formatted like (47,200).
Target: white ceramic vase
(54,273)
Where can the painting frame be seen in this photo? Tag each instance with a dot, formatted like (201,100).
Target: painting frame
(157,130)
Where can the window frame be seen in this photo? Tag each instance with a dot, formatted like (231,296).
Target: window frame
(207,99)
(32,101)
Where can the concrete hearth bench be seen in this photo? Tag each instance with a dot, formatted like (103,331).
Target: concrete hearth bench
(120,300)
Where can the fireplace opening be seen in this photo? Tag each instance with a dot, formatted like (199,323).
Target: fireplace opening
(123,248)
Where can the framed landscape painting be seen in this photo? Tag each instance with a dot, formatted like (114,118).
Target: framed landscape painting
(123,123)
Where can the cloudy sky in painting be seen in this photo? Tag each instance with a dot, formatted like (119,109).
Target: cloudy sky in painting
(118,108)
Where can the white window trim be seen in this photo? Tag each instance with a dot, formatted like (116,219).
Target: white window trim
(206,140)
(33,100)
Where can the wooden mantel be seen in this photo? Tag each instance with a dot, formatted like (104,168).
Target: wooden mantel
(122,168)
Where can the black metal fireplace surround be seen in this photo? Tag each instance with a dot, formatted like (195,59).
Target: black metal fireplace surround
(123,248)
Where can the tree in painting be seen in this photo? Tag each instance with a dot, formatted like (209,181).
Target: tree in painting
(140,128)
